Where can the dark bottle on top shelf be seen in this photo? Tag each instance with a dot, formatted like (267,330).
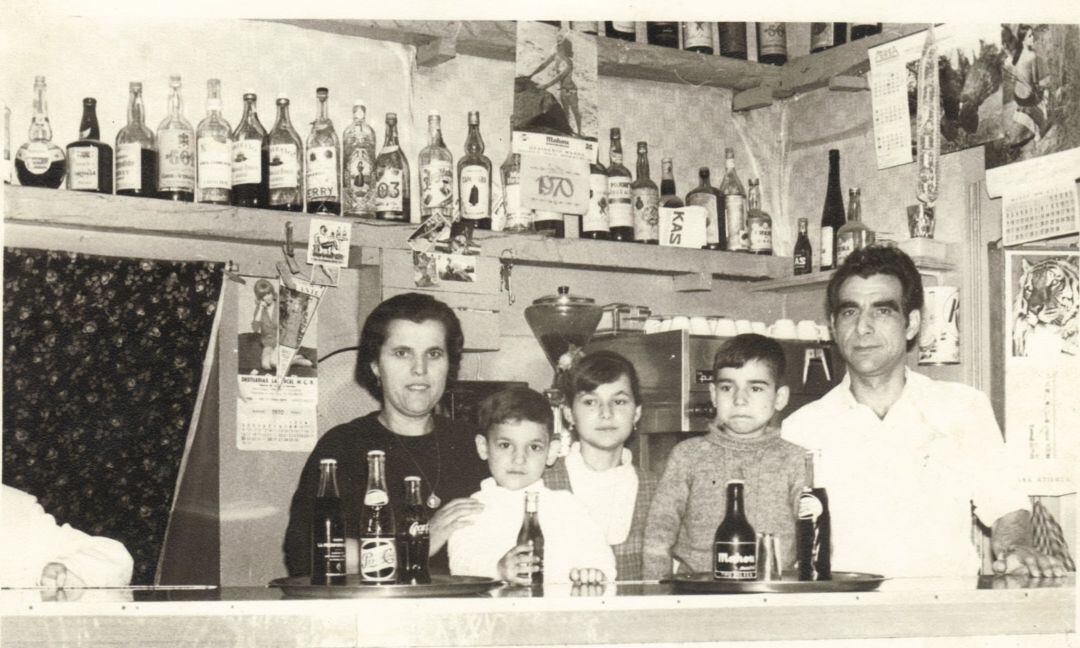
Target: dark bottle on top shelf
(620,29)
(803,255)
(772,43)
(668,196)
(825,35)
(328,529)
(709,197)
(732,39)
(697,37)
(862,30)
(286,162)
(595,223)
(39,162)
(620,207)
(90,160)
(735,543)
(474,178)
(664,34)
(176,150)
(392,189)
(322,175)
(414,537)
(136,154)
(213,140)
(832,214)
(646,200)
(250,158)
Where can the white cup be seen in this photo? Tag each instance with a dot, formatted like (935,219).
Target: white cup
(725,327)
(759,328)
(783,329)
(652,325)
(680,323)
(699,325)
(742,326)
(823,332)
(665,324)
(807,330)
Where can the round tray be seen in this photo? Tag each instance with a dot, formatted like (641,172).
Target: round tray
(703,583)
(440,586)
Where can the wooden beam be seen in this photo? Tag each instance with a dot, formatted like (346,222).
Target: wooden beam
(758,97)
(436,52)
(845,83)
(692,282)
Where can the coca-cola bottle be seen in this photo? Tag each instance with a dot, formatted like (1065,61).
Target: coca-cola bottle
(328,529)
(813,529)
(531,534)
(735,543)
(378,551)
(414,537)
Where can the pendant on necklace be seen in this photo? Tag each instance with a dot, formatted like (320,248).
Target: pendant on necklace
(433,501)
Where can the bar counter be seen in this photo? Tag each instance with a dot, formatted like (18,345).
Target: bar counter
(1042,611)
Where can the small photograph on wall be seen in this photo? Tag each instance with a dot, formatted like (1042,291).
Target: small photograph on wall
(555,87)
(260,315)
(1043,293)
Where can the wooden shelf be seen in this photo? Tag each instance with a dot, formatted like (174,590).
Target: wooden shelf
(818,280)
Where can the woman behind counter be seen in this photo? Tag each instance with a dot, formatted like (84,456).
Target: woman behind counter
(410,347)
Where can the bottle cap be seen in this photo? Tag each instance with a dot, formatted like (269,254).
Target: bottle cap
(321,90)
(282,95)
(376,453)
(433,113)
(135,85)
(328,462)
(412,478)
(736,481)
(391,115)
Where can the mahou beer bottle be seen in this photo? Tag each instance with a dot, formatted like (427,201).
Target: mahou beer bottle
(378,551)
(328,529)
(735,543)
(392,189)
(530,533)
(90,161)
(620,210)
(136,153)
(832,214)
(250,158)
(813,536)
(414,537)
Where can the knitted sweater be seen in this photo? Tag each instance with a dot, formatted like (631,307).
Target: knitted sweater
(690,499)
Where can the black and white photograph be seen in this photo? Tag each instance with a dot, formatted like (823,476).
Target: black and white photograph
(555,89)
(1044,295)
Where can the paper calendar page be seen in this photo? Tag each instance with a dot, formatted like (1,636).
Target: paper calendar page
(1032,212)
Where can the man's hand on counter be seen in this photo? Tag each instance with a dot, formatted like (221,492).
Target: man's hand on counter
(1026,561)
(451,517)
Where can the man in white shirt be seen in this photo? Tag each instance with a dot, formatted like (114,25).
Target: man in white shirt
(905,457)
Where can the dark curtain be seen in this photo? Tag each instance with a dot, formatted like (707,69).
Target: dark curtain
(102,360)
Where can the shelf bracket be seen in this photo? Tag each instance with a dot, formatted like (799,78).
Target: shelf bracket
(438,50)
(692,282)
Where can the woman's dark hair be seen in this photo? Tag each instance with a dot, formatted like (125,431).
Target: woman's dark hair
(512,405)
(411,307)
(883,260)
(595,369)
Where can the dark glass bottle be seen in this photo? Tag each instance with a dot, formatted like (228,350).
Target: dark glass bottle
(392,189)
(803,255)
(474,178)
(322,175)
(862,30)
(620,29)
(758,221)
(646,200)
(378,539)
(136,154)
(620,207)
(250,158)
(176,150)
(595,223)
(414,537)
(732,39)
(734,209)
(328,529)
(214,147)
(825,35)
(813,537)
(664,34)
(89,159)
(832,214)
(668,195)
(39,162)
(772,43)
(709,197)
(697,37)
(531,533)
(285,152)
(735,543)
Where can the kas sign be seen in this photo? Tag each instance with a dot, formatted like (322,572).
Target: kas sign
(682,226)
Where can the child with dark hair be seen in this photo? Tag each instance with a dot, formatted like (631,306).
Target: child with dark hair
(517,443)
(742,443)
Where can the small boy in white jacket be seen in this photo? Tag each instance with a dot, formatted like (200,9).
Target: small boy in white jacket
(517,444)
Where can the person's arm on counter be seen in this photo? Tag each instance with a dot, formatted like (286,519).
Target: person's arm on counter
(1010,540)
(665,517)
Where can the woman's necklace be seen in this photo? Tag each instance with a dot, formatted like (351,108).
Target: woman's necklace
(433,500)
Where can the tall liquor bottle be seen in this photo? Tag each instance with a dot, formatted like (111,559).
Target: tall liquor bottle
(709,197)
(90,160)
(176,150)
(595,223)
(474,178)
(664,34)
(328,529)
(214,146)
(378,542)
(358,158)
(854,234)
(136,155)
(832,214)
(772,43)
(735,543)
(734,206)
(414,537)
(322,176)
(392,189)
(646,200)
(697,37)
(825,35)
(39,162)
(286,155)
(530,533)
(862,30)
(620,209)
(250,158)
(620,29)
(518,219)
(436,171)
(803,254)
(758,221)
(813,529)
(732,39)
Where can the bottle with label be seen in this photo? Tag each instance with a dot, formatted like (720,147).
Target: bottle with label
(436,171)
(664,34)
(709,197)
(738,239)
(39,162)
(758,221)
(530,533)
(378,537)
(803,254)
(322,175)
(176,150)
(250,158)
(392,188)
(813,529)
(620,29)
(90,160)
(585,26)
(286,155)
(825,36)
(645,198)
(854,234)
(668,195)
(620,209)
(136,155)
(732,37)
(832,214)
(474,178)
(595,223)
(414,537)
(862,30)
(697,37)
(214,150)
(518,219)
(358,157)
(328,529)
(735,543)
(772,43)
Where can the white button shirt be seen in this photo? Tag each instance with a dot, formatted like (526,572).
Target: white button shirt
(900,488)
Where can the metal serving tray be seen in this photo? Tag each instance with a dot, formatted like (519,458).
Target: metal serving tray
(440,586)
(703,583)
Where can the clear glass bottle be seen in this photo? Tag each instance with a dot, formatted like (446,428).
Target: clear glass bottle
(732,37)
(707,196)
(250,158)
(213,140)
(518,219)
(620,207)
(854,234)
(176,150)
(39,162)
(531,533)
(286,162)
(832,214)
(136,153)
(90,161)
(436,171)
(803,255)
(620,29)
(772,43)
(322,178)
(735,543)
(758,221)
(474,178)
(392,189)
(697,37)
(328,529)
(378,537)
(595,223)
(358,158)
(734,206)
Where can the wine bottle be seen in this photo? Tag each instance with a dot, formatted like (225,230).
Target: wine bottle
(39,162)
(90,160)
(772,43)
(620,209)
(664,34)
(136,154)
(250,158)
(474,178)
(595,223)
(824,35)
(732,37)
(735,543)
(645,198)
(322,177)
(734,206)
(832,214)
(854,234)
(862,30)
(709,197)
(213,144)
(758,221)
(436,171)
(518,219)
(286,162)
(803,255)
(697,37)
(358,158)
(392,188)
(620,29)
(668,196)
(176,150)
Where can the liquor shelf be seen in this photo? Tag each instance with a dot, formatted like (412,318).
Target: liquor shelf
(928,266)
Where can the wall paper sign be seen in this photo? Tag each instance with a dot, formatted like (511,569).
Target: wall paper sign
(555,87)
(683,226)
(554,184)
(328,242)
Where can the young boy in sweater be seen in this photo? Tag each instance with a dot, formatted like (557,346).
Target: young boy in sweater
(517,444)
(741,444)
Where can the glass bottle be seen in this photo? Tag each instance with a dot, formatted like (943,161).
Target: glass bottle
(518,219)
(436,167)
(285,152)
(668,196)
(862,30)
(813,533)
(854,234)
(414,537)
(176,150)
(709,197)
(392,189)
(549,223)
(732,39)
(772,43)
(213,143)
(595,223)
(250,158)
(825,36)
(322,177)
(620,208)
(735,543)
(328,529)
(90,161)
(803,254)
(646,200)
(531,533)
(734,206)
(474,178)
(664,34)
(358,158)
(758,221)
(378,546)
(697,37)
(39,162)
(136,154)
(832,214)
(620,29)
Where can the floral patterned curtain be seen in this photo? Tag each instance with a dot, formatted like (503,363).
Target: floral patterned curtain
(102,359)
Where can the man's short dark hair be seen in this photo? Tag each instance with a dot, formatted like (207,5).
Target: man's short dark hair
(884,260)
(515,404)
(739,350)
(595,369)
